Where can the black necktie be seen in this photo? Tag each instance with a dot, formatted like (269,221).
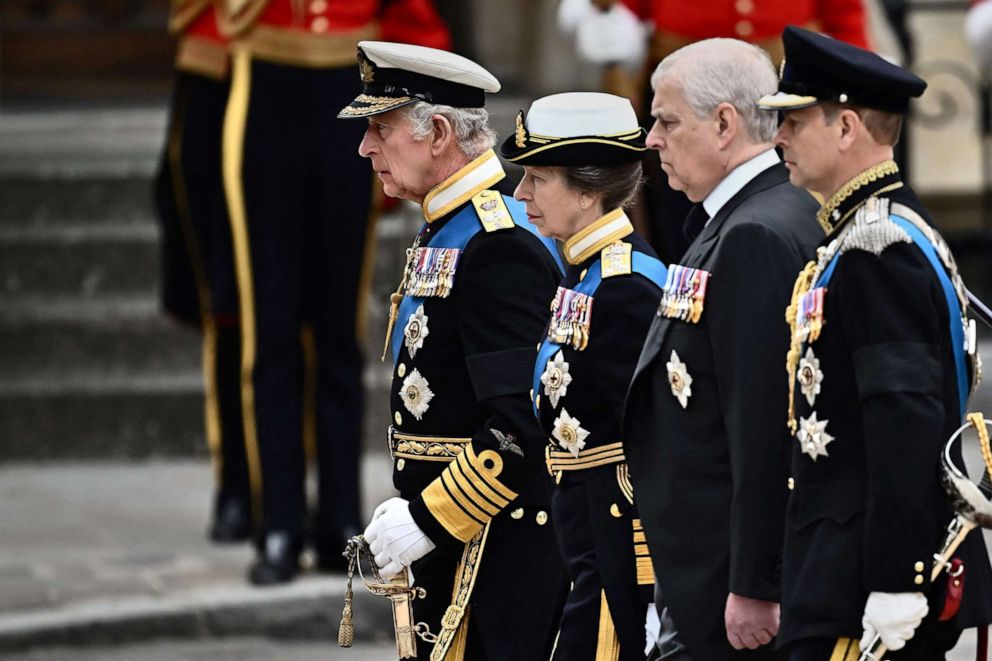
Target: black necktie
(694,222)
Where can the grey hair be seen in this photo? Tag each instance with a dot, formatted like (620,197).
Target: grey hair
(473,133)
(617,183)
(715,71)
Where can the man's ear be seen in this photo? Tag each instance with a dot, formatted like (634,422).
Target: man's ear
(727,123)
(442,135)
(850,125)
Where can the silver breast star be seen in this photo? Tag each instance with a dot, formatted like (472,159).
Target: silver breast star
(506,443)
(813,437)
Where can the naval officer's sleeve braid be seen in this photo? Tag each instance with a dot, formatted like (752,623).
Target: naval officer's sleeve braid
(894,319)
(504,290)
(750,288)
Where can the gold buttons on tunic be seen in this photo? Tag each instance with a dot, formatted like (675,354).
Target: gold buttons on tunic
(615,511)
(318,6)
(919,566)
(401,370)
(517,513)
(541,518)
(320,24)
(537,401)
(743,28)
(582,276)
(400,464)
(791,483)
(918,580)
(397,418)
(744,6)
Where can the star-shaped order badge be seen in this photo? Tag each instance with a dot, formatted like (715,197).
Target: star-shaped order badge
(556,378)
(415,331)
(813,437)
(416,394)
(679,379)
(569,433)
(809,375)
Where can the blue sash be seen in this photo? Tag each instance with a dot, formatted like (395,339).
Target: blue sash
(456,233)
(645,265)
(953,306)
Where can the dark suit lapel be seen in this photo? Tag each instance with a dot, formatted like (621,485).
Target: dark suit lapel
(696,256)
(700,249)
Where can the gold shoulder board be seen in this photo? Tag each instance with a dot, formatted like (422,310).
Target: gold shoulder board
(615,259)
(492,211)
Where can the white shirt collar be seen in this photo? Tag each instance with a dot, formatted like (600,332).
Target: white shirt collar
(737,179)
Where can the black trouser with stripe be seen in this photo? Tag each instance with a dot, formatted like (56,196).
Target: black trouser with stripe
(299,196)
(605,610)
(198,279)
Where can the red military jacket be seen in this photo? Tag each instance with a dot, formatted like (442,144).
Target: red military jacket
(202,48)
(324,33)
(757,21)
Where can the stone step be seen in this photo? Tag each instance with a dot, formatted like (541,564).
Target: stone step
(79,259)
(88,416)
(105,336)
(27,200)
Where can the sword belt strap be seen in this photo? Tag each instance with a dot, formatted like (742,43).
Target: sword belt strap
(453,621)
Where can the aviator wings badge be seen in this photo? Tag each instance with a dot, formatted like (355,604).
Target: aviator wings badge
(506,442)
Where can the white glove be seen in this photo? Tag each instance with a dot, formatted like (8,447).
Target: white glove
(615,35)
(394,538)
(894,616)
(978,30)
(652,628)
(571,13)
(381,509)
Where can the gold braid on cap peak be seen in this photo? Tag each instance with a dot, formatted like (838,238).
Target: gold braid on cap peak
(521,133)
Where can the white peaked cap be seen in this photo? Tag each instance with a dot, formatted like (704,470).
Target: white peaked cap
(429,62)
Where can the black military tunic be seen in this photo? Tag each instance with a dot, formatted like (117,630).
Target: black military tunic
(466,449)
(705,438)
(876,395)
(580,380)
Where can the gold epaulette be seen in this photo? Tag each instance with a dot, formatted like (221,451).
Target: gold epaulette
(468,493)
(492,211)
(183,12)
(615,259)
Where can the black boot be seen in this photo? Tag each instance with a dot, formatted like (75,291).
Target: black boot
(279,561)
(232,520)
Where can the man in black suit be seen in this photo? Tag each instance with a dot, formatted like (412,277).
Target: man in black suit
(704,423)
(880,375)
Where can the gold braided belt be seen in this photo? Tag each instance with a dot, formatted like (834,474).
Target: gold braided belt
(601,455)
(425,448)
